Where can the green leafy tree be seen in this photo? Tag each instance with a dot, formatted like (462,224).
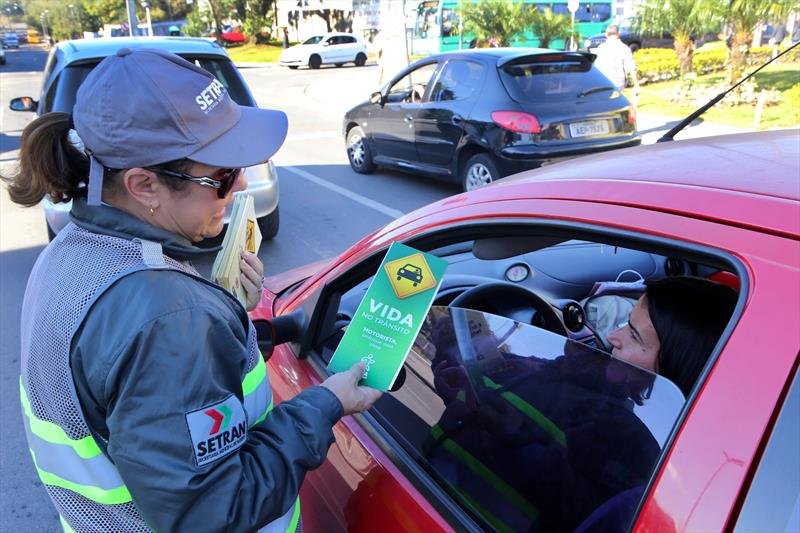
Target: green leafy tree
(683,19)
(503,20)
(548,26)
(743,17)
(197,23)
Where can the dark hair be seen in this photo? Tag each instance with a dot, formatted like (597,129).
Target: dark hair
(689,315)
(50,165)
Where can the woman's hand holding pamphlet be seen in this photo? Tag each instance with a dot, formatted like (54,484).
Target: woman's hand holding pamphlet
(242,235)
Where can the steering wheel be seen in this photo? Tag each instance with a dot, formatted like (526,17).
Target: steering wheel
(512,301)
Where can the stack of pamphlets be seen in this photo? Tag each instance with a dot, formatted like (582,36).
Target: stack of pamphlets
(243,234)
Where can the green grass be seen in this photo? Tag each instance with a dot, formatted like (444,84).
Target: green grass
(255,53)
(654,98)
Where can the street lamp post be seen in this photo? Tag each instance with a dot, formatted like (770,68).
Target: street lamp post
(44,26)
(572,6)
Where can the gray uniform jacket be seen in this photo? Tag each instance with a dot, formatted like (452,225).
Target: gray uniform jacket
(160,344)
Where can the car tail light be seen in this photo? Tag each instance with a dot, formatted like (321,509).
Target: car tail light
(632,115)
(517,121)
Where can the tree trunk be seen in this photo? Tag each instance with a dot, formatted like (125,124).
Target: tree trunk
(217,16)
(684,48)
(739,48)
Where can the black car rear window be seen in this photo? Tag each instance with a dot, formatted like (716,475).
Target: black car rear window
(557,79)
(61,94)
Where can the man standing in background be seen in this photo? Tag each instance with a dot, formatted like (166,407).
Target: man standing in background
(615,61)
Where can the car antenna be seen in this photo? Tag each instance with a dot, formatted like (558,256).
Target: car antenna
(688,120)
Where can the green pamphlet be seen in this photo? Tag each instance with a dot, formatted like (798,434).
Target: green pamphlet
(390,315)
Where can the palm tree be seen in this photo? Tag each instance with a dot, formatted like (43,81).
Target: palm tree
(547,26)
(503,20)
(683,18)
(744,16)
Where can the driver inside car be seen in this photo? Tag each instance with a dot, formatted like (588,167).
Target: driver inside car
(551,443)
(674,326)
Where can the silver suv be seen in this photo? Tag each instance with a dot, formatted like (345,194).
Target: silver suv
(68,65)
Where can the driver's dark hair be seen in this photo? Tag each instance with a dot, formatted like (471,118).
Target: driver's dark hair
(689,315)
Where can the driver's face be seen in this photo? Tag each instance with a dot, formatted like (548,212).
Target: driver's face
(637,341)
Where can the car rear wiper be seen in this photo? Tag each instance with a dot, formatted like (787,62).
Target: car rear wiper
(688,120)
(596,90)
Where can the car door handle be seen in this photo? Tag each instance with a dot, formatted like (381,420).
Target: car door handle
(457,120)
(408,118)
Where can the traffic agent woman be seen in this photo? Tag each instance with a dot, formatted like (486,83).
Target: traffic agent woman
(145,398)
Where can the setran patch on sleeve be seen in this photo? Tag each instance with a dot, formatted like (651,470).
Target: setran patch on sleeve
(217,430)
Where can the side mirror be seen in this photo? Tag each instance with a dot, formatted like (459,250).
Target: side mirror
(278,330)
(23,103)
(326,43)
(376,98)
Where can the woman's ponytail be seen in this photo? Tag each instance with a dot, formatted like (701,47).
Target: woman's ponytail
(49,164)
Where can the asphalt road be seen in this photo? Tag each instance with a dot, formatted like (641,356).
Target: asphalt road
(325,207)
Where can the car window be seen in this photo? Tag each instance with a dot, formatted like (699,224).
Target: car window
(541,79)
(593,12)
(61,94)
(526,426)
(313,40)
(412,87)
(458,80)
(333,40)
(347,40)
(773,501)
(527,430)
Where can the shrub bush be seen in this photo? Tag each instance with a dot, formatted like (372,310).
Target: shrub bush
(660,64)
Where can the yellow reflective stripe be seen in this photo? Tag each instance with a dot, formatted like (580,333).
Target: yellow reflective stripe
(262,417)
(96,494)
(66,527)
(86,448)
(295,517)
(533,413)
(495,522)
(482,471)
(254,378)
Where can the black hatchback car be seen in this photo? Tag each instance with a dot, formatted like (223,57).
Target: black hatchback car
(476,116)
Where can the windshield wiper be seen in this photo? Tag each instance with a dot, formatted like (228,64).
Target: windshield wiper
(596,90)
(688,120)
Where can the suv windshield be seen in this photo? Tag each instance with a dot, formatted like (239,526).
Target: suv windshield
(539,80)
(526,429)
(61,93)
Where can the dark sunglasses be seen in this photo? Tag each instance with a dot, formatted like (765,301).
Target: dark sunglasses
(223,179)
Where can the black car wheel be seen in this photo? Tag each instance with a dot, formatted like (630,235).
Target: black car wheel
(358,152)
(479,171)
(361,59)
(269,225)
(634,46)
(314,61)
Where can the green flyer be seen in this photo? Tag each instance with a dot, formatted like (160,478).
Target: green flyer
(390,315)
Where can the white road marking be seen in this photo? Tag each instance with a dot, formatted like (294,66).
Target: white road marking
(363,200)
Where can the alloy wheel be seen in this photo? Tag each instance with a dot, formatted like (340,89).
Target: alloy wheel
(478,176)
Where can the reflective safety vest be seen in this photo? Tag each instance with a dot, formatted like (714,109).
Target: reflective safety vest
(83,483)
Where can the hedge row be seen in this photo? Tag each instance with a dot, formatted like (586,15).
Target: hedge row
(659,64)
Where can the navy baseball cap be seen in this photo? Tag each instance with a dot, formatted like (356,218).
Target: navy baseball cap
(143,107)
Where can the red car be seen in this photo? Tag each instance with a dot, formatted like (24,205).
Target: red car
(522,255)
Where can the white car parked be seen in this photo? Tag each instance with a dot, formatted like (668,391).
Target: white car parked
(329,48)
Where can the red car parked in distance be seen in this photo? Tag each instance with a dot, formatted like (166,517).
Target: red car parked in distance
(522,255)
